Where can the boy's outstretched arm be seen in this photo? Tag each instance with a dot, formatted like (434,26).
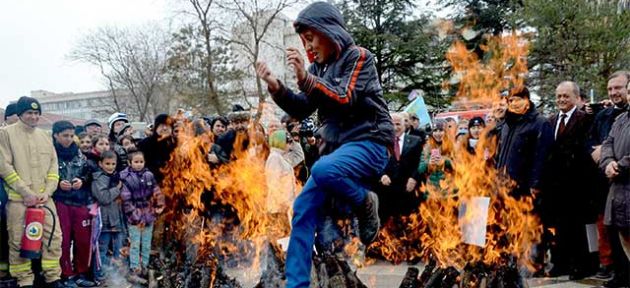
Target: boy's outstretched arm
(298,105)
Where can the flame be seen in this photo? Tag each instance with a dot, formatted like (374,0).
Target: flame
(512,229)
(240,184)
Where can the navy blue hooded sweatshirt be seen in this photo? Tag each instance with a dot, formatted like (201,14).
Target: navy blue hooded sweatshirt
(345,91)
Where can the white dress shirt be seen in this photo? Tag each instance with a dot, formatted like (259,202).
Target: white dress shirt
(401,142)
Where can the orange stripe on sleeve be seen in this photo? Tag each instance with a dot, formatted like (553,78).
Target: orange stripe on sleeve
(356,72)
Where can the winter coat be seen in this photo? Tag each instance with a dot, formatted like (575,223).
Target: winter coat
(602,124)
(122,160)
(617,148)
(93,157)
(157,153)
(569,160)
(107,194)
(523,148)
(140,195)
(345,91)
(73,164)
(599,132)
(28,161)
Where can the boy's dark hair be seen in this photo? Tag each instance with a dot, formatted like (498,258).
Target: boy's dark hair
(133,152)
(108,155)
(61,126)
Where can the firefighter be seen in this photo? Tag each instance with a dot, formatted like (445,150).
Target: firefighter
(28,165)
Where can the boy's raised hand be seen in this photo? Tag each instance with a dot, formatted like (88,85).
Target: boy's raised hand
(262,70)
(295,59)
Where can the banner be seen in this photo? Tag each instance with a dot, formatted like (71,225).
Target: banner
(418,107)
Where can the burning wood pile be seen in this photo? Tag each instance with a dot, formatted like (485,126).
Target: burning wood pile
(476,275)
(474,230)
(471,227)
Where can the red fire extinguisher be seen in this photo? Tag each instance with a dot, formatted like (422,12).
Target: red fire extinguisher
(31,246)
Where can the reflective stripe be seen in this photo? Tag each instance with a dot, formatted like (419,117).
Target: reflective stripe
(12,178)
(50,264)
(4,266)
(12,194)
(53,176)
(16,268)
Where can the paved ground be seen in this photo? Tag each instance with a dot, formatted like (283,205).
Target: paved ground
(385,275)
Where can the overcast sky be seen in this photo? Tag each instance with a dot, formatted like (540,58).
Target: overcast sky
(37,35)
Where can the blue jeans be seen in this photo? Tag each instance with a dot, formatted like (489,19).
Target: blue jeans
(140,246)
(342,174)
(104,241)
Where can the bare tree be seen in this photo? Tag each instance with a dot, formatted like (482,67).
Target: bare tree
(132,61)
(257,18)
(205,14)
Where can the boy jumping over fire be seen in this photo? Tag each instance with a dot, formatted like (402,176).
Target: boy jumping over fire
(342,84)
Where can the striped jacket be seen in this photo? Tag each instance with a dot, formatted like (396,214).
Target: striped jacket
(28,161)
(345,90)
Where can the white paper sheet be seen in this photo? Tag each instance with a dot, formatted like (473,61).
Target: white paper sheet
(473,220)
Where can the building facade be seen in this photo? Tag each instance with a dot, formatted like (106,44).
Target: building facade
(86,105)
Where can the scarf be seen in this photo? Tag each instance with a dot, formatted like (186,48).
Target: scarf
(66,154)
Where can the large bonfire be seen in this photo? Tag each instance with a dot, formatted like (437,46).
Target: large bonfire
(217,217)
(475,197)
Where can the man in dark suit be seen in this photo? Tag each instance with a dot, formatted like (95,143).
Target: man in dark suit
(400,179)
(567,179)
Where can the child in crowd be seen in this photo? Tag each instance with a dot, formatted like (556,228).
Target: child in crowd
(100,144)
(85,143)
(71,200)
(128,143)
(142,201)
(106,186)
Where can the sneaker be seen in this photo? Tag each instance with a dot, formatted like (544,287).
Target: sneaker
(81,281)
(369,223)
(100,275)
(604,272)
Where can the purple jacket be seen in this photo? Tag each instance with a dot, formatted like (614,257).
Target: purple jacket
(141,196)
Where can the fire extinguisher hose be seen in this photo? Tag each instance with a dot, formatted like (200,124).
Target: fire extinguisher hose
(52,214)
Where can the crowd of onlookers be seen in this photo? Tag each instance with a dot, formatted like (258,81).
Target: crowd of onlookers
(103,182)
(573,160)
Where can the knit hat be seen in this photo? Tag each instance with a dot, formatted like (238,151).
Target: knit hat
(118,116)
(26,103)
(10,110)
(92,122)
(476,121)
